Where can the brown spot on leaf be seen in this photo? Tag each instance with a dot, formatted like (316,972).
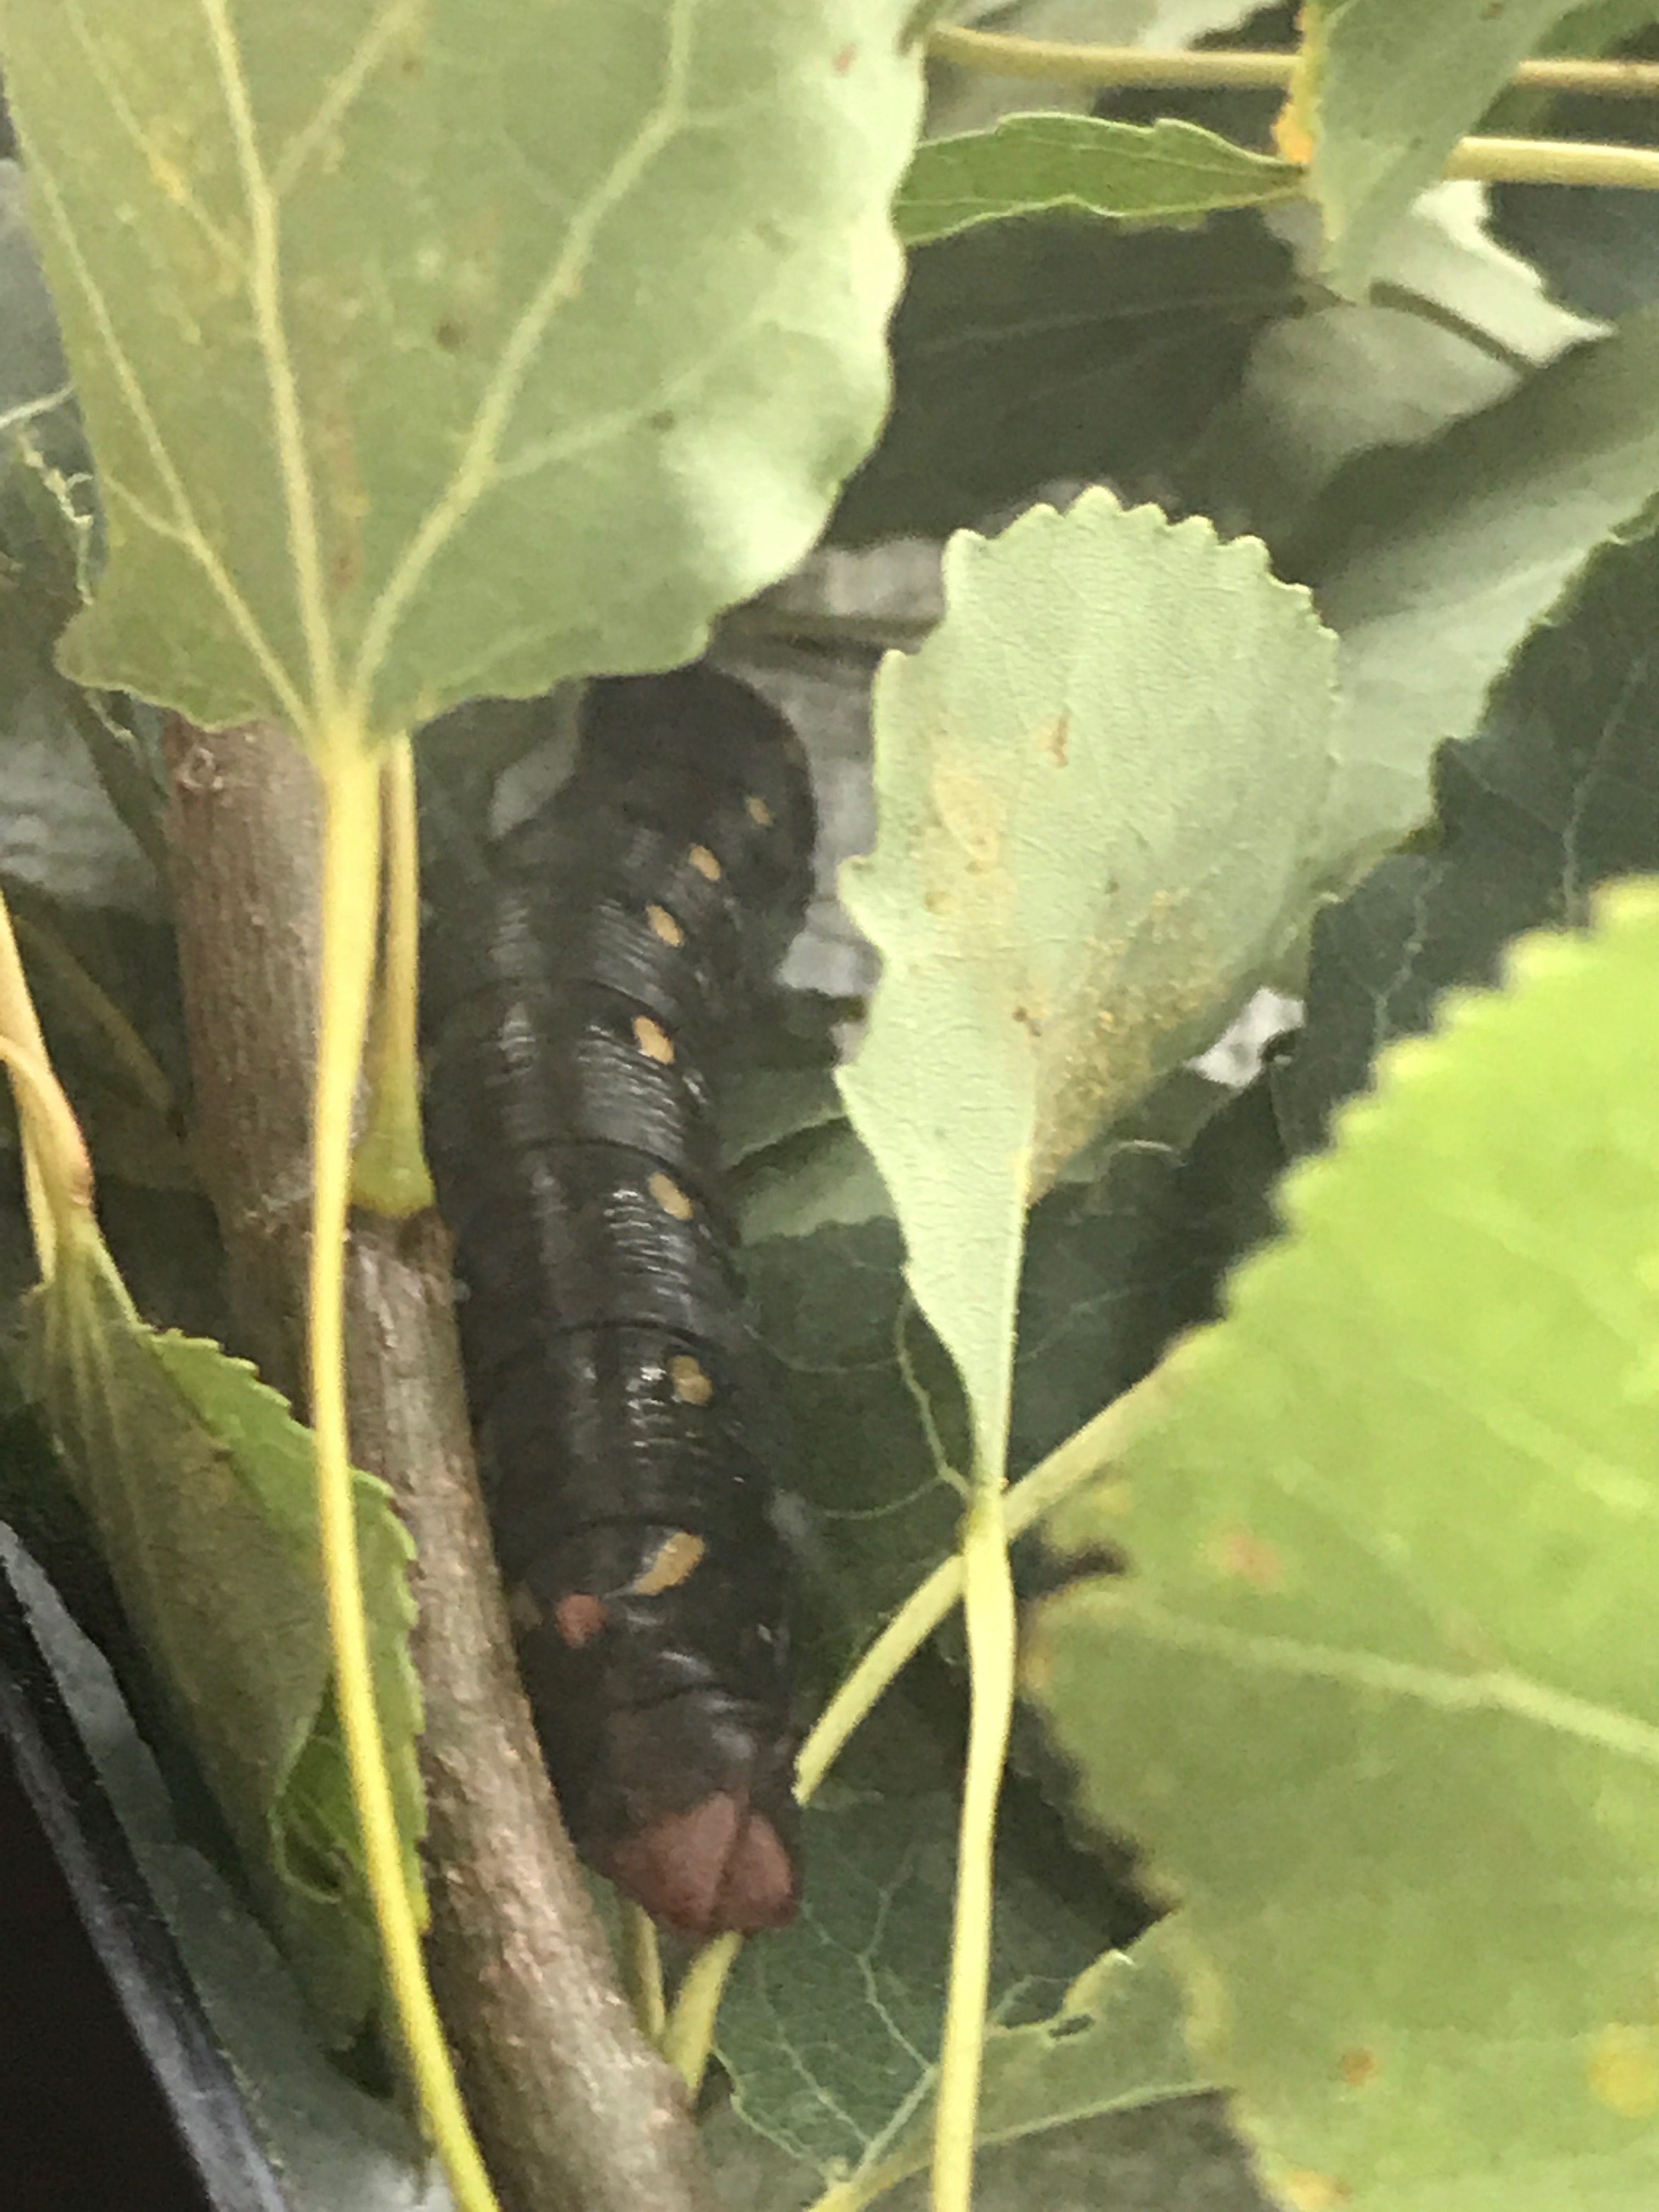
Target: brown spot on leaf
(1058,742)
(580,1617)
(1358,2067)
(844,60)
(451,334)
(1244,1557)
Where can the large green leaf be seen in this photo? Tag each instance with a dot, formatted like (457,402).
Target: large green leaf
(1171,173)
(1395,84)
(442,347)
(830,2031)
(199,1487)
(1380,1689)
(1558,791)
(1054,346)
(1432,565)
(1098,786)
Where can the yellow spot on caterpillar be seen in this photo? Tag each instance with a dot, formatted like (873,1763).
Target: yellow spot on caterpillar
(663,925)
(669,1195)
(1624,2070)
(691,1385)
(759,812)
(676,1562)
(705,864)
(653,1040)
(524,1611)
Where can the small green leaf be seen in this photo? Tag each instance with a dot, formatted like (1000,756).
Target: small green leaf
(433,348)
(1396,83)
(1097,789)
(1169,172)
(199,1484)
(1378,1691)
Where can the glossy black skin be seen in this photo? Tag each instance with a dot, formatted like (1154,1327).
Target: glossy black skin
(575,1049)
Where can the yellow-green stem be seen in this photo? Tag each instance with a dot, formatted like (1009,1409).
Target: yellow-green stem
(389,1173)
(1056,61)
(350,883)
(690,2035)
(1553,161)
(641,1971)
(1077,1460)
(989,1617)
(689,2038)
(56,1173)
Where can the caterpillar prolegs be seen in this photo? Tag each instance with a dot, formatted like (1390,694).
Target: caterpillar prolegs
(583,1008)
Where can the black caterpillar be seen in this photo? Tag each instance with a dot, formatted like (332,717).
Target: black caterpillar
(583,1007)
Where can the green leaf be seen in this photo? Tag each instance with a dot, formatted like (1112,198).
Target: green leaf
(1431,565)
(432,350)
(1097,786)
(1558,791)
(1454,323)
(46,505)
(1396,83)
(1172,173)
(1051,346)
(1378,1691)
(199,1484)
(830,2031)
(1116,1264)
(33,376)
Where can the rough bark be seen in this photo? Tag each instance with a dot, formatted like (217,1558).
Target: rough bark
(574,2111)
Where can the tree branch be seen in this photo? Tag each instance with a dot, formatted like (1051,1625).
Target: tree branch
(575,2112)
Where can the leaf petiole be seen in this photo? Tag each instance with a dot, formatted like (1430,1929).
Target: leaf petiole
(389,1173)
(989,1604)
(350,776)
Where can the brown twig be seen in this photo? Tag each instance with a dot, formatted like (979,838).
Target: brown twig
(574,2111)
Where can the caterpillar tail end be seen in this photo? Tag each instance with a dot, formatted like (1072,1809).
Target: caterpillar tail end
(719,1867)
